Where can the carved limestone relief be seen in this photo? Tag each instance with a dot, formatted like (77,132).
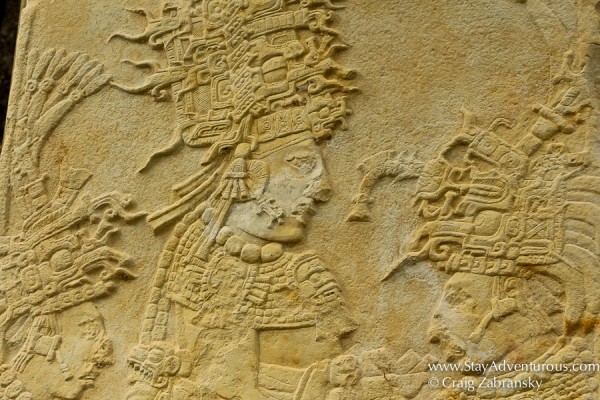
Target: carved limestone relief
(317,224)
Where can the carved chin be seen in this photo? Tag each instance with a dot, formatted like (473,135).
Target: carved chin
(71,390)
(290,230)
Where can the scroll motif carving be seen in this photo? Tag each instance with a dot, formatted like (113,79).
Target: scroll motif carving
(232,62)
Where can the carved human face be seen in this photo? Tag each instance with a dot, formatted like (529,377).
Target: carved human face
(84,348)
(468,328)
(297,181)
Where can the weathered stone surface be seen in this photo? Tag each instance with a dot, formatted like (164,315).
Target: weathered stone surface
(302,199)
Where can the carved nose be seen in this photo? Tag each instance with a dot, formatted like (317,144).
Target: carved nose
(436,330)
(103,355)
(320,190)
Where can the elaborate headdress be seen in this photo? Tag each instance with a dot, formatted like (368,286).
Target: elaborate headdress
(242,73)
(511,210)
(61,257)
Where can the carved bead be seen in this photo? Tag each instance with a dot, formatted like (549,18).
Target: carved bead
(224,234)
(251,253)
(234,245)
(271,252)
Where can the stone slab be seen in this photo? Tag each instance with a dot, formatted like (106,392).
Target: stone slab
(302,199)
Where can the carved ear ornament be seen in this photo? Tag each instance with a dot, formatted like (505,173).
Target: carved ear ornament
(233,184)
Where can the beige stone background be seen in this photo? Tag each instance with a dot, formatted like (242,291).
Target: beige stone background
(419,62)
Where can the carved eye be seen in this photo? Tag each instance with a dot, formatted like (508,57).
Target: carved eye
(304,163)
(90,329)
(457,298)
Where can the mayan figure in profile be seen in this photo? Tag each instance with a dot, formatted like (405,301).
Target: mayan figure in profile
(57,254)
(256,86)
